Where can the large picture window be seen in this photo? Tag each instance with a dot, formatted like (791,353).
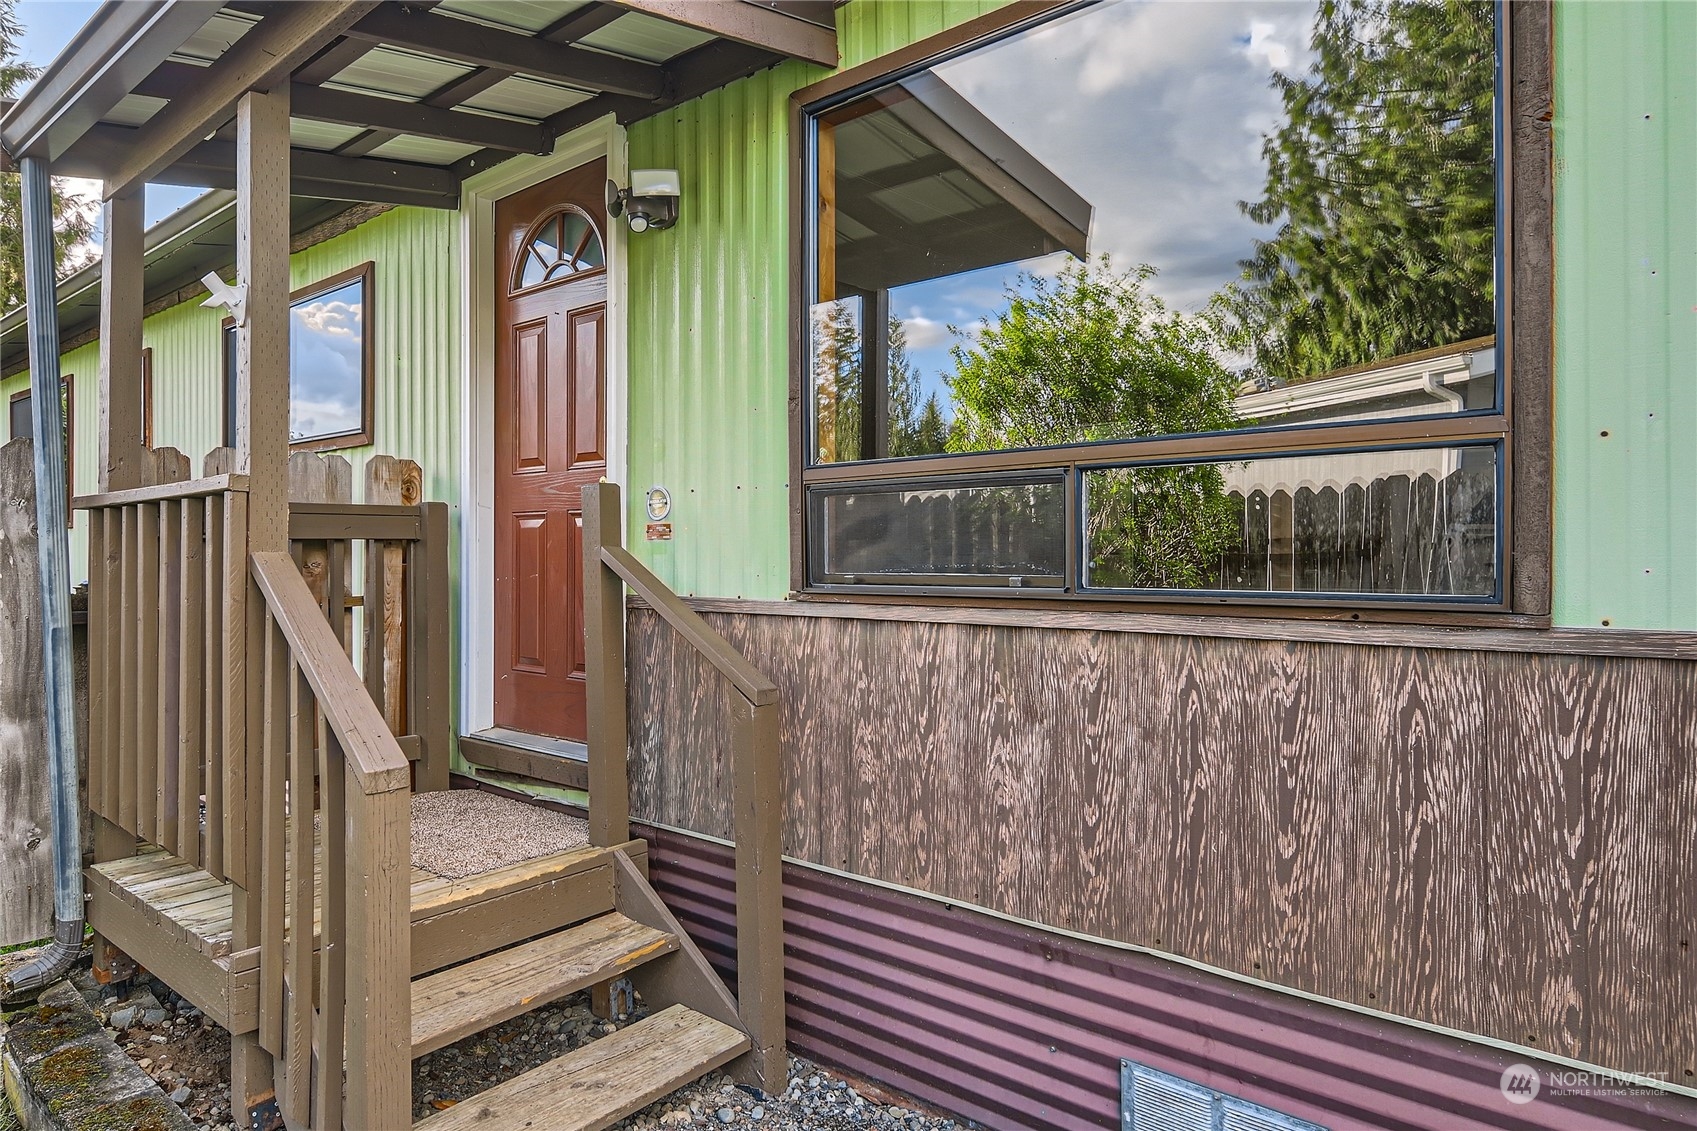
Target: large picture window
(330,364)
(1184,300)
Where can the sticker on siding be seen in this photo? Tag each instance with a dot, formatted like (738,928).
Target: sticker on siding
(659,532)
(659,504)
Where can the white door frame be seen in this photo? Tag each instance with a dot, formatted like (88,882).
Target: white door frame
(601,138)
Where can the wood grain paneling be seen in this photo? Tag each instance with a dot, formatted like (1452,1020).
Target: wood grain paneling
(1495,842)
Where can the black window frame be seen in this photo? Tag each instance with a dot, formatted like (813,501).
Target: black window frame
(1517,427)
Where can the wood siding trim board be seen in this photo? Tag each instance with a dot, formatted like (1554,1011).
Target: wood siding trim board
(1481,840)
(1640,643)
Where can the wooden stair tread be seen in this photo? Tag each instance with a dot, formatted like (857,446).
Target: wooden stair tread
(467,998)
(595,1086)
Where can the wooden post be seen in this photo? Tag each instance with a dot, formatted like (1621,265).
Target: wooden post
(379,948)
(757,825)
(120,342)
(430,651)
(604,670)
(121,467)
(262,453)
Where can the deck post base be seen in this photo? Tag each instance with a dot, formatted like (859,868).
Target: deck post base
(252,1087)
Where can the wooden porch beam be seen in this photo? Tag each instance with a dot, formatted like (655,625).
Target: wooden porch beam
(426,118)
(572,26)
(484,46)
(259,60)
(212,164)
(120,341)
(417,119)
(754,24)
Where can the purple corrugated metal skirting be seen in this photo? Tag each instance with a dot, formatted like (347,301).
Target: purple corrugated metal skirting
(1017,1029)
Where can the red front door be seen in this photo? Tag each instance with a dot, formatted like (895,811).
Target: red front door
(550,440)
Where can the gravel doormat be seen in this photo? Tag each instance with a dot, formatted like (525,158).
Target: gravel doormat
(461,833)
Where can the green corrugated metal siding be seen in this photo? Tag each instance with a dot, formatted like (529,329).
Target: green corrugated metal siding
(1626,315)
(415,317)
(709,316)
(83,367)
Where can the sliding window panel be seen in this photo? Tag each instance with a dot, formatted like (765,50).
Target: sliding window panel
(1395,523)
(1005,532)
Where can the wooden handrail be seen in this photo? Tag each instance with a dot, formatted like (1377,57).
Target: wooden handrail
(756,769)
(372,753)
(744,676)
(159,492)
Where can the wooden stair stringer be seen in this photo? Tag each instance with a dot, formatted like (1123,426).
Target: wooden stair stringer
(595,1086)
(682,978)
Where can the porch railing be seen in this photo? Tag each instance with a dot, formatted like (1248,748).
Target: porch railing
(341,889)
(168,595)
(167,632)
(755,765)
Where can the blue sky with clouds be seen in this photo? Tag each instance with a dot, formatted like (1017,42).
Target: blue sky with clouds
(1155,114)
(48,26)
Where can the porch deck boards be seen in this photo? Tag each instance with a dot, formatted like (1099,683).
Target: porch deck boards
(196,908)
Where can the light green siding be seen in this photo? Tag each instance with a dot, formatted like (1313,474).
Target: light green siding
(415,316)
(709,323)
(1626,315)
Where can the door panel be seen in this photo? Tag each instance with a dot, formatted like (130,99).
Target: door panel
(589,372)
(530,426)
(550,441)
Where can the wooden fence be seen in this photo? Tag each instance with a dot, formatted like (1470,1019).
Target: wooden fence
(26,842)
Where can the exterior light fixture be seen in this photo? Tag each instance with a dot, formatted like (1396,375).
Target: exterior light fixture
(650,202)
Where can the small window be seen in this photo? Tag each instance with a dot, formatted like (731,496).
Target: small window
(1166,300)
(23,424)
(558,246)
(330,364)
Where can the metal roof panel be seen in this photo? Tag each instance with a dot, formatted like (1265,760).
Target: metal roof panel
(427,151)
(646,38)
(527,98)
(215,37)
(406,74)
(515,15)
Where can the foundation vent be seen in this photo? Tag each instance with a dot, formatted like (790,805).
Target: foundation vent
(1151,1100)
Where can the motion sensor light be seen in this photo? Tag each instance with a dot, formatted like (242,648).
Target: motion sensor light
(651,201)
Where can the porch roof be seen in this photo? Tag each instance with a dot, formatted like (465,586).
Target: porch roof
(197,238)
(390,102)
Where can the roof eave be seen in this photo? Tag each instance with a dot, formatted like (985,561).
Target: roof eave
(115,50)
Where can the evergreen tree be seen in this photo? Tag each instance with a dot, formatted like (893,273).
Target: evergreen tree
(72,223)
(931,434)
(837,381)
(908,436)
(1382,182)
(1094,355)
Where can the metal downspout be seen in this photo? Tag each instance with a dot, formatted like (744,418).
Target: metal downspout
(50,509)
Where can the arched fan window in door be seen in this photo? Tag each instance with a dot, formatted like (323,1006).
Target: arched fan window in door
(561,244)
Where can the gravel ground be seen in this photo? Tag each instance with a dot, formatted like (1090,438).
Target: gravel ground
(189,1057)
(451,832)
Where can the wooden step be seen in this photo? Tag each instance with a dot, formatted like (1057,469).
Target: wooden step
(599,1084)
(465,999)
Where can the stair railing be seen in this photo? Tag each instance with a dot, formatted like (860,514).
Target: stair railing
(756,789)
(325,746)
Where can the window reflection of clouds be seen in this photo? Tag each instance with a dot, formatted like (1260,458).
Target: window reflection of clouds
(326,363)
(1154,113)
